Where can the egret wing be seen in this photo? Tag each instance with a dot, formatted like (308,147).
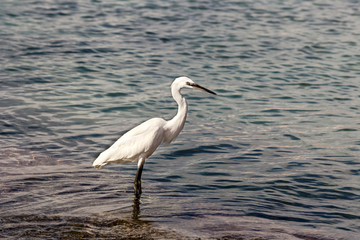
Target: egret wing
(139,141)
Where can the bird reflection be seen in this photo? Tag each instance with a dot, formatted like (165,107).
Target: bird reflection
(136,208)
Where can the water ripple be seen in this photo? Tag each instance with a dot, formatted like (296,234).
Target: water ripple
(273,156)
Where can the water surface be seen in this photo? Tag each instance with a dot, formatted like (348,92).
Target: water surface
(275,155)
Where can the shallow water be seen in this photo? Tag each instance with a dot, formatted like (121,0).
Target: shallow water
(275,155)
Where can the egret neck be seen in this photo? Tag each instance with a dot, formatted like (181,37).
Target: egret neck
(174,126)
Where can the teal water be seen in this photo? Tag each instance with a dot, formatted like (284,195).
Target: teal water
(275,155)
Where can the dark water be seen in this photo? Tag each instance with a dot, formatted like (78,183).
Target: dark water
(274,156)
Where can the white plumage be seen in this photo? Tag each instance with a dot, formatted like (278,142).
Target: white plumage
(140,142)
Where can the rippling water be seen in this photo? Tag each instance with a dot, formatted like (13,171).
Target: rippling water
(274,156)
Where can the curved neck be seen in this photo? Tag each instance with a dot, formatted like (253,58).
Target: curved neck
(182,107)
(176,124)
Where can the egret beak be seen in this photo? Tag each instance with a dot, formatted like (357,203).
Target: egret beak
(194,85)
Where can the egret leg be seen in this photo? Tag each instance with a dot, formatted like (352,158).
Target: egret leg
(137,182)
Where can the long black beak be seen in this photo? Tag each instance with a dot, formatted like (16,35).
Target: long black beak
(202,88)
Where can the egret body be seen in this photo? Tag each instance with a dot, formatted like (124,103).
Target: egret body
(140,142)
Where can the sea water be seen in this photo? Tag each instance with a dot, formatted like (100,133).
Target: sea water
(275,155)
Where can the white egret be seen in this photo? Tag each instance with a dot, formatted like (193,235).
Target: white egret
(140,142)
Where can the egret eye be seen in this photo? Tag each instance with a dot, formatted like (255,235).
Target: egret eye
(188,83)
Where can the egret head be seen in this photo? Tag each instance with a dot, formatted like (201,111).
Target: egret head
(185,82)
